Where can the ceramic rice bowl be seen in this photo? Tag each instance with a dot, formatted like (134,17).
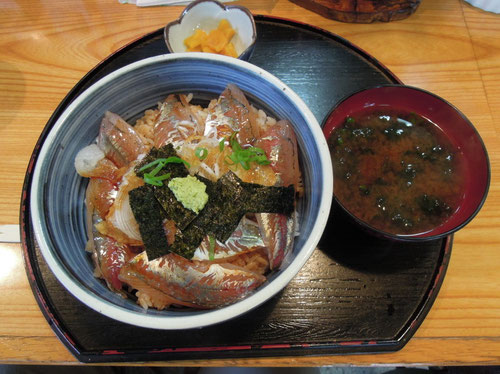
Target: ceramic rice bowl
(57,193)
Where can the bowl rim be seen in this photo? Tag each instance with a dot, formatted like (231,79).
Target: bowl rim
(225,8)
(209,317)
(327,130)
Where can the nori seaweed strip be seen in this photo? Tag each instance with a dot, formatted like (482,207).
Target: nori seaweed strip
(175,169)
(211,186)
(235,198)
(173,208)
(265,199)
(229,200)
(187,241)
(224,209)
(150,216)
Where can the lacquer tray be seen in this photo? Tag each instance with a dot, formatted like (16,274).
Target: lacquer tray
(355,294)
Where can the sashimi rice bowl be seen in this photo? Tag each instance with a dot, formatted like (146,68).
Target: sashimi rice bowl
(181,191)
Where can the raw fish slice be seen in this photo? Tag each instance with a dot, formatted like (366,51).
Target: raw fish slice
(201,284)
(106,169)
(244,248)
(280,144)
(101,195)
(175,123)
(108,255)
(120,214)
(232,113)
(278,233)
(278,230)
(119,141)
(148,296)
(110,200)
(246,237)
(253,259)
(91,162)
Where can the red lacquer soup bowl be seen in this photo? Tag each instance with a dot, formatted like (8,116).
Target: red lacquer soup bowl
(407,164)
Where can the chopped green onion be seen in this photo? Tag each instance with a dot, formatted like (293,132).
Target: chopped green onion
(164,161)
(151,164)
(228,161)
(234,142)
(211,249)
(244,156)
(162,177)
(156,169)
(155,180)
(201,153)
(152,178)
(349,120)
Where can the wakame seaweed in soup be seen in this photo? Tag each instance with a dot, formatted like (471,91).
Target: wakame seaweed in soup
(396,171)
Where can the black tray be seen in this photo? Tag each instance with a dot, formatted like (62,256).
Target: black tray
(355,294)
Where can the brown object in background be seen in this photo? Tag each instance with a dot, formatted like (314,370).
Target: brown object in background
(361,11)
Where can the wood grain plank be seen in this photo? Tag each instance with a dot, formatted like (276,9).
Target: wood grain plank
(484,31)
(19,312)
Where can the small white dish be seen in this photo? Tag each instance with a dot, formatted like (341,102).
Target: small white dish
(206,15)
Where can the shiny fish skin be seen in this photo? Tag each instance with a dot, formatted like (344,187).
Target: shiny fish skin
(202,284)
(175,123)
(232,113)
(101,195)
(109,256)
(278,231)
(280,144)
(119,141)
(244,238)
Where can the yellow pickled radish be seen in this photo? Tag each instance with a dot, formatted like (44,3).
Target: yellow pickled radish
(196,39)
(229,50)
(216,41)
(226,28)
(195,49)
(206,48)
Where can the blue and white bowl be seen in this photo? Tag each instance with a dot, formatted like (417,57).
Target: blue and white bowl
(57,193)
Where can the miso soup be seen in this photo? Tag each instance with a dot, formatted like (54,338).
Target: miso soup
(396,171)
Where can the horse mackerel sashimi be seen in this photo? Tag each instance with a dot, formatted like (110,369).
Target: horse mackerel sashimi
(198,284)
(106,163)
(232,113)
(176,122)
(109,254)
(278,230)
(240,262)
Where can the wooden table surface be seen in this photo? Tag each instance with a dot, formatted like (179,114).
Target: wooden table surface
(447,47)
